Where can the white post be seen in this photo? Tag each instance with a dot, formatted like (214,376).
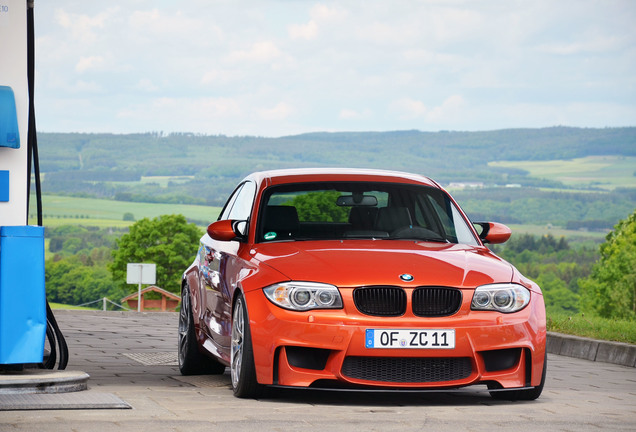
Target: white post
(141,269)
(104,304)
(136,277)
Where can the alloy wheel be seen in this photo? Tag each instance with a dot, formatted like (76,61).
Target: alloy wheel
(184,315)
(238,328)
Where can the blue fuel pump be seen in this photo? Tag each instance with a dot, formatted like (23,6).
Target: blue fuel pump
(26,320)
(22,295)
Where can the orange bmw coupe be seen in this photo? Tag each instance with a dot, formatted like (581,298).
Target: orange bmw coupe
(358,279)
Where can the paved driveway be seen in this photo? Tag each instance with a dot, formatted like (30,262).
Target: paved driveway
(133,356)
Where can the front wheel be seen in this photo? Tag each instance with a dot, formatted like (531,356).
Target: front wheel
(243,372)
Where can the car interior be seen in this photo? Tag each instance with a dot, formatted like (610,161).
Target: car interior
(355,211)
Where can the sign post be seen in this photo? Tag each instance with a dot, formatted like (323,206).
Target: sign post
(137,273)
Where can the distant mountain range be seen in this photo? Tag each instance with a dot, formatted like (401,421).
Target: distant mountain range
(208,167)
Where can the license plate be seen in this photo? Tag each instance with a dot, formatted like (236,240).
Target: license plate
(401,338)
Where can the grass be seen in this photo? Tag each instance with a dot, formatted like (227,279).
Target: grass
(572,236)
(69,307)
(63,210)
(593,327)
(606,172)
(162,181)
(52,222)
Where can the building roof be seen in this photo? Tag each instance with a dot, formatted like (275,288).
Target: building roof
(161,291)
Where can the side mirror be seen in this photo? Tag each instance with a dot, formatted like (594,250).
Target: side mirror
(493,232)
(227,230)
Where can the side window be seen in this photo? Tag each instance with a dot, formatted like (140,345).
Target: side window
(464,235)
(444,218)
(456,229)
(242,206)
(230,203)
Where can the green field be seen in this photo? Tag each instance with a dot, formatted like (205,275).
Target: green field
(606,172)
(593,327)
(70,307)
(63,210)
(572,236)
(162,181)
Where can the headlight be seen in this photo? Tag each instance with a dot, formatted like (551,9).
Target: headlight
(504,298)
(302,296)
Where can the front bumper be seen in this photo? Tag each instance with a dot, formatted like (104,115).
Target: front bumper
(327,348)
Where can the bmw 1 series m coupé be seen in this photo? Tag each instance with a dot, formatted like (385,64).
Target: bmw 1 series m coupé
(369,279)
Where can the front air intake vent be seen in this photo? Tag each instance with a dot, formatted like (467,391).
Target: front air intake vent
(407,370)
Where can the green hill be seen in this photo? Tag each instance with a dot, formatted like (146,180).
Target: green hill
(190,169)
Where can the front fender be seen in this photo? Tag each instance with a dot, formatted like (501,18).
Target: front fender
(192,278)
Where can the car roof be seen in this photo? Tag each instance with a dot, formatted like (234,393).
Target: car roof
(301,175)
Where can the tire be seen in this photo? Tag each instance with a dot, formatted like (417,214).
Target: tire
(191,360)
(242,370)
(524,395)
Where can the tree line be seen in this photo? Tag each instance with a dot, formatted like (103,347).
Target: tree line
(89,263)
(98,164)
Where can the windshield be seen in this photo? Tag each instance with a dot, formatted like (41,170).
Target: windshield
(360,210)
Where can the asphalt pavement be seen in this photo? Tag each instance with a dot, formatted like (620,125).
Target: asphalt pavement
(135,385)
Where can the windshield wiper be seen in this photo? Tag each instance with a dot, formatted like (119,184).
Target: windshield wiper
(417,233)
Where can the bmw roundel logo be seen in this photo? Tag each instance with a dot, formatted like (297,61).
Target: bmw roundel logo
(406,277)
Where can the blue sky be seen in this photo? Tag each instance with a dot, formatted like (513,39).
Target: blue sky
(274,68)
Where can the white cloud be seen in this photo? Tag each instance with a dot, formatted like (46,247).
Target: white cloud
(407,108)
(447,110)
(427,56)
(219,76)
(281,111)
(171,26)
(350,114)
(597,45)
(288,67)
(303,31)
(321,15)
(86,87)
(392,33)
(347,114)
(146,85)
(455,24)
(259,52)
(84,28)
(87,63)
(328,14)
(175,114)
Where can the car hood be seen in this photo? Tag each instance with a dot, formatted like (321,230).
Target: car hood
(381,262)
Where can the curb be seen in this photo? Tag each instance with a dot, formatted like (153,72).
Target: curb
(619,353)
(42,381)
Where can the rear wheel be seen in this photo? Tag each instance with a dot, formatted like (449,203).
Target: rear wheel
(243,372)
(191,360)
(527,394)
